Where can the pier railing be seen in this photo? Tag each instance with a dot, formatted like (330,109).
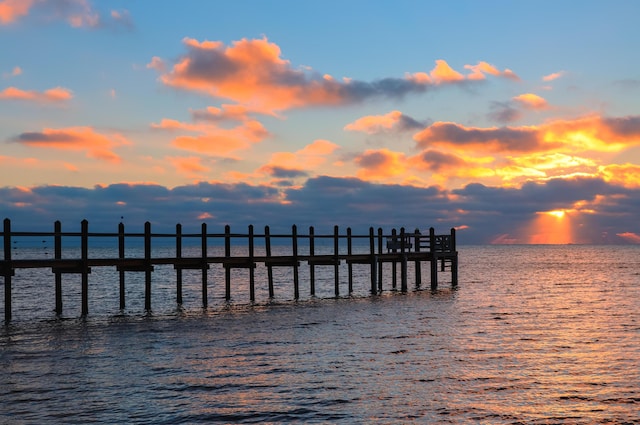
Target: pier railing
(374,249)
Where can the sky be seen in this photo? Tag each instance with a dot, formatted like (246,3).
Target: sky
(513,122)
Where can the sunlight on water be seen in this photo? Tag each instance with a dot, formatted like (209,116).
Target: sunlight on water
(533,334)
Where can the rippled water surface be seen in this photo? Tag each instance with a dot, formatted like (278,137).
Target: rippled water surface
(532,335)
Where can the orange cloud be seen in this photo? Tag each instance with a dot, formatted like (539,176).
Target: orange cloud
(481,68)
(253,73)
(578,135)
(54,95)
(627,175)
(553,76)
(301,162)
(12,10)
(374,123)
(443,73)
(630,237)
(96,145)
(191,166)
(380,163)
(531,101)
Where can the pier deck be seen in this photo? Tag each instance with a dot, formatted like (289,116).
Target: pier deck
(396,248)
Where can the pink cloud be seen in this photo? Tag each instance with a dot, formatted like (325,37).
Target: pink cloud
(54,95)
(96,145)
(12,10)
(254,74)
(553,76)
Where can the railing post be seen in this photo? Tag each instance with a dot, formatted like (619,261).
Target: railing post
(85,268)
(380,237)
(312,267)
(8,271)
(203,253)
(394,264)
(374,260)
(294,242)
(403,261)
(349,265)
(147,270)
(252,290)
(434,258)
(336,265)
(227,270)
(417,264)
(178,268)
(121,256)
(267,245)
(57,254)
(454,260)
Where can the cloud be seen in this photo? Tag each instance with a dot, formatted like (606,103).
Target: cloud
(481,213)
(191,166)
(14,72)
(434,160)
(212,139)
(553,76)
(253,73)
(531,101)
(585,134)
(291,165)
(504,112)
(96,145)
(12,10)
(394,120)
(480,70)
(226,113)
(54,95)
(77,13)
(503,139)
(380,163)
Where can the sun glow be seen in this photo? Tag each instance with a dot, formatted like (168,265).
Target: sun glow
(551,227)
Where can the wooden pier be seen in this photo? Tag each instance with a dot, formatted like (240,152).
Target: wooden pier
(397,248)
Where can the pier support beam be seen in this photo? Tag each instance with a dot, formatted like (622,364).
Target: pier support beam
(7,271)
(434,259)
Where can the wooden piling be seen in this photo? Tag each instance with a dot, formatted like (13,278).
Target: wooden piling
(227,270)
(204,271)
(380,259)
(294,243)
(434,259)
(373,260)
(267,244)
(7,271)
(84,247)
(312,265)
(454,259)
(121,272)
(403,261)
(57,254)
(178,269)
(417,264)
(336,265)
(349,264)
(252,290)
(148,266)
(394,266)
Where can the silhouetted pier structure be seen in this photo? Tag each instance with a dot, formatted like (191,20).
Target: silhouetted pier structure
(397,248)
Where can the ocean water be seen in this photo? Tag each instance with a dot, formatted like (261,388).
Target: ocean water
(531,335)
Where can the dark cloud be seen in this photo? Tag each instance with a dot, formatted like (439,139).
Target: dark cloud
(407,123)
(624,126)
(284,173)
(36,136)
(504,112)
(436,160)
(500,139)
(484,212)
